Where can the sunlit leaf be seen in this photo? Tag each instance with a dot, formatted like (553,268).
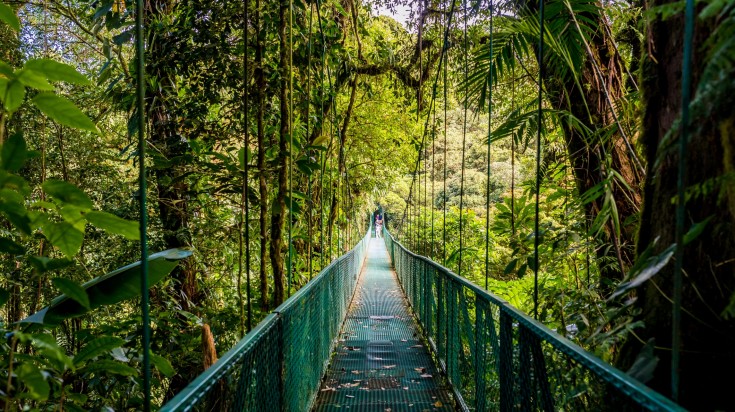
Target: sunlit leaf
(63,111)
(13,96)
(113,224)
(7,15)
(56,71)
(67,193)
(64,236)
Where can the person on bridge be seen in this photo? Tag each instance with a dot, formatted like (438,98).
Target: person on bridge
(378,225)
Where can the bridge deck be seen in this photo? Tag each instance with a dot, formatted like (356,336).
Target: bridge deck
(381,362)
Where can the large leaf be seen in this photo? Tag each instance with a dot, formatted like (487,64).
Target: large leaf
(111,367)
(65,237)
(72,290)
(97,347)
(113,224)
(645,268)
(7,15)
(67,193)
(63,111)
(46,345)
(163,365)
(13,96)
(56,71)
(114,287)
(33,379)
(13,153)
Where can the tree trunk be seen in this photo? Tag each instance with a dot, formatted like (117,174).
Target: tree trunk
(592,159)
(341,163)
(263,188)
(708,331)
(172,197)
(279,204)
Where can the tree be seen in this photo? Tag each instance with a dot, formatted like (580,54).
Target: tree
(708,295)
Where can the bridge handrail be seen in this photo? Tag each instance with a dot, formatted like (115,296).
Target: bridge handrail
(517,356)
(279,364)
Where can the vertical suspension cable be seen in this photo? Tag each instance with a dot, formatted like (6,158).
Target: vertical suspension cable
(290,149)
(446,147)
(513,151)
(323,153)
(419,102)
(433,169)
(489,138)
(310,201)
(464,138)
(425,204)
(686,85)
(245,217)
(538,157)
(144,302)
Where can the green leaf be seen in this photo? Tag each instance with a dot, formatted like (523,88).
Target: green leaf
(9,246)
(44,264)
(63,111)
(114,287)
(13,96)
(35,80)
(163,365)
(113,224)
(97,347)
(696,230)
(73,290)
(67,193)
(645,268)
(4,297)
(17,215)
(110,366)
(13,153)
(48,347)
(5,69)
(64,236)
(56,71)
(32,378)
(510,267)
(7,15)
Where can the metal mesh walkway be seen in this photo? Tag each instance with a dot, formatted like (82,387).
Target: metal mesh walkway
(381,362)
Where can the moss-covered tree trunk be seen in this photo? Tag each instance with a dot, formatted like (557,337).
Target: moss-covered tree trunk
(708,327)
(279,204)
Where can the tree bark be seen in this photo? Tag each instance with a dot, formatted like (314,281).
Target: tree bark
(592,159)
(279,204)
(172,199)
(708,333)
(262,186)
(341,164)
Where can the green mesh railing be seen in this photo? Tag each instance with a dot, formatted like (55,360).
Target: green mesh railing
(499,359)
(278,366)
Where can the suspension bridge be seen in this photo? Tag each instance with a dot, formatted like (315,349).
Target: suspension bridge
(384,329)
